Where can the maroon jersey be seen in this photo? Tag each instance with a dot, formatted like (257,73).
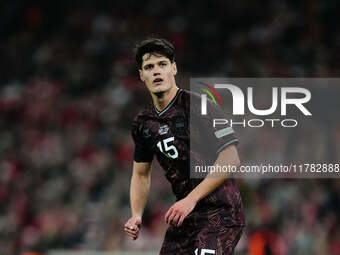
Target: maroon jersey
(166,134)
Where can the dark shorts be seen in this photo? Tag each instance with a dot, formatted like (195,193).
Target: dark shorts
(203,234)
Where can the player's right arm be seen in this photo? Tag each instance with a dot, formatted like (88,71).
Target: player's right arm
(141,176)
(139,191)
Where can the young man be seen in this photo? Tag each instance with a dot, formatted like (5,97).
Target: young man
(207,217)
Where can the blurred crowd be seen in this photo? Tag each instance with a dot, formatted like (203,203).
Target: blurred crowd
(69,90)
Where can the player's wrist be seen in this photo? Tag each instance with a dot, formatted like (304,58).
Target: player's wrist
(193,198)
(137,215)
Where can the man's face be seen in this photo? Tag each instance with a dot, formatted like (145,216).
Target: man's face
(157,73)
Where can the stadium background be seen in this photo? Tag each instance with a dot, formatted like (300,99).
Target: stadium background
(69,90)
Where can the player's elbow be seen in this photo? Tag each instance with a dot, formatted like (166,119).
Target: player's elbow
(236,159)
(230,154)
(142,169)
(145,175)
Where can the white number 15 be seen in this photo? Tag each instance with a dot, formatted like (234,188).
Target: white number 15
(169,150)
(205,251)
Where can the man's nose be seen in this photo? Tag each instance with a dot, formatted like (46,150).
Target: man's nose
(156,72)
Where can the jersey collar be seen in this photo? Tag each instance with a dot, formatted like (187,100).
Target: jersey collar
(159,113)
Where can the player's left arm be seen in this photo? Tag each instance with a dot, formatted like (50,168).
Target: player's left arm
(177,213)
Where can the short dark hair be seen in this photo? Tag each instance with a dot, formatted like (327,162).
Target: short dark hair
(154,45)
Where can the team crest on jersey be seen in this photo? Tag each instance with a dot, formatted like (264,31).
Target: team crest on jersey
(146,133)
(163,130)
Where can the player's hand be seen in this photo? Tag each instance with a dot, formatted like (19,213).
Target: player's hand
(177,213)
(132,227)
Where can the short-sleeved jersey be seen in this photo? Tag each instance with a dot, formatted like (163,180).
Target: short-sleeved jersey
(166,134)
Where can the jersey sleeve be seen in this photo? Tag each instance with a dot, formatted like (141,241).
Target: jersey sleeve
(220,136)
(142,151)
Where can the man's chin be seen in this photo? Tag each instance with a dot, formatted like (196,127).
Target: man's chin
(159,90)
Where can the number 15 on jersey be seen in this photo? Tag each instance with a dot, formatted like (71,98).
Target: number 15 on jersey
(169,150)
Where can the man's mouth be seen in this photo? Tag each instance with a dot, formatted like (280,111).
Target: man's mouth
(157,80)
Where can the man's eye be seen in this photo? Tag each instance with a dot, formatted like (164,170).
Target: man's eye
(163,64)
(147,67)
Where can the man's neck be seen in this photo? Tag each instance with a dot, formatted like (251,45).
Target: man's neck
(162,100)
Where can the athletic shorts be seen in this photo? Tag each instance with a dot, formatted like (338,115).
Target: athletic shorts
(203,234)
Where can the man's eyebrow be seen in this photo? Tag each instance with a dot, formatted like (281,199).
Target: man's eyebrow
(152,64)
(148,65)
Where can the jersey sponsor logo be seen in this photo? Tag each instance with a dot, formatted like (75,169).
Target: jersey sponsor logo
(224,132)
(163,130)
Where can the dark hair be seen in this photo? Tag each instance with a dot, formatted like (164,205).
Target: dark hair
(154,45)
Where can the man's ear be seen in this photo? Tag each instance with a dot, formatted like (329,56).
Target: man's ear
(141,75)
(174,68)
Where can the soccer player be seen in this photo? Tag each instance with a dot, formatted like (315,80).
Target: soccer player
(207,217)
